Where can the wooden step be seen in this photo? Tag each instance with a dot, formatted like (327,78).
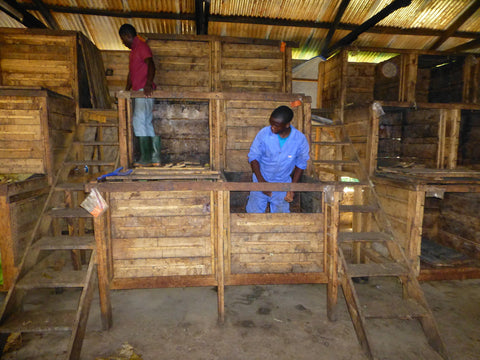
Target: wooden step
(41,276)
(358,208)
(39,321)
(98,124)
(385,269)
(65,242)
(363,236)
(82,163)
(77,186)
(69,213)
(404,309)
(96,143)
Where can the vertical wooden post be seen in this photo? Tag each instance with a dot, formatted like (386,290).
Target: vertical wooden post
(122,132)
(332,256)
(408,77)
(6,246)
(454,116)
(441,140)
(320,83)
(287,70)
(220,235)
(101,240)
(372,142)
(416,203)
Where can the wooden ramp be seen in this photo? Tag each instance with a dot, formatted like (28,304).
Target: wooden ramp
(369,248)
(60,257)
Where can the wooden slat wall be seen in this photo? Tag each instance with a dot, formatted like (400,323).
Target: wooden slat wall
(276,243)
(161,234)
(95,75)
(357,124)
(420,136)
(404,209)
(459,223)
(116,67)
(333,87)
(244,118)
(360,83)
(39,59)
(247,67)
(35,127)
(182,65)
(20,205)
(469,138)
(22,147)
(209,63)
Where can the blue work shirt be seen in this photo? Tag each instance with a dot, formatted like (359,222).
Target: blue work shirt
(277,163)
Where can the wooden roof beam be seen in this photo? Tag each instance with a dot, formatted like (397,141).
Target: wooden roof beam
(456,24)
(202,10)
(382,14)
(51,22)
(334,26)
(19,13)
(474,44)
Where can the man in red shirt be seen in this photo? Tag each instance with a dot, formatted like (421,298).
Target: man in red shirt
(141,72)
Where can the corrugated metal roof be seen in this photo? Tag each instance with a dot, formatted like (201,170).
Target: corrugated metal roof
(421,14)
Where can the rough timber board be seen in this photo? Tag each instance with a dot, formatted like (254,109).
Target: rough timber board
(161,233)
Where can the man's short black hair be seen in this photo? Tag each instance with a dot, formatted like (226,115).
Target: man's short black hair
(127,29)
(283,113)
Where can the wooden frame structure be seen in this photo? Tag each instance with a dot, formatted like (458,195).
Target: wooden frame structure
(170,222)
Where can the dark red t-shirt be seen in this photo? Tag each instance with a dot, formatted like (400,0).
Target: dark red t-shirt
(137,66)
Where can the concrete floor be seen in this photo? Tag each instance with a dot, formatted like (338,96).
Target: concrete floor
(267,322)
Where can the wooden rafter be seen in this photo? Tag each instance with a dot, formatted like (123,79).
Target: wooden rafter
(382,14)
(333,28)
(456,24)
(474,44)
(202,10)
(52,23)
(19,13)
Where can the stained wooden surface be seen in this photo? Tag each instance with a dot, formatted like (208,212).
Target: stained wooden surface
(35,126)
(161,233)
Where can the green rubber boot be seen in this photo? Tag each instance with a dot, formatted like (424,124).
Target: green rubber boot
(157,146)
(145,151)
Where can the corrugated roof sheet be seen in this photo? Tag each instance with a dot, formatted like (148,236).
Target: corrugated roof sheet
(421,14)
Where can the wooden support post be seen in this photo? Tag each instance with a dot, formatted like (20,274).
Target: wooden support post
(102,269)
(320,83)
(372,142)
(333,222)
(454,117)
(122,132)
(408,77)
(416,202)
(220,238)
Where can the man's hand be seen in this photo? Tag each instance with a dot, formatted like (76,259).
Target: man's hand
(147,90)
(289,196)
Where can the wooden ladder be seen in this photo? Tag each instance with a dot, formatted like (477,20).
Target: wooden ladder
(59,264)
(368,249)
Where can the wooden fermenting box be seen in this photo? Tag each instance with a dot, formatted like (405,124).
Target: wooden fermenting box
(209,63)
(169,232)
(435,215)
(64,62)
(36,125)
(21,203)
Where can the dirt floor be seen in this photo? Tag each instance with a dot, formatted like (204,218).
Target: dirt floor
(267,322)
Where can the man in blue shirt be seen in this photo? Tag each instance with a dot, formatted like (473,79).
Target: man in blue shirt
(276,152)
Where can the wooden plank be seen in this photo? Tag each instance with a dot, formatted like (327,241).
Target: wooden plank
(162,267)
(275,223)
(159,227)
(276,263)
